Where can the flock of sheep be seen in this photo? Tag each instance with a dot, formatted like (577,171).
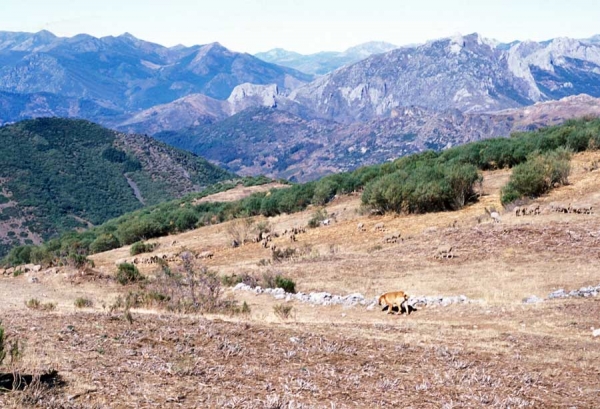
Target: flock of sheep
(443,252)
(534,209)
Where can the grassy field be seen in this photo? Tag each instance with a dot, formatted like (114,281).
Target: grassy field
(494,352)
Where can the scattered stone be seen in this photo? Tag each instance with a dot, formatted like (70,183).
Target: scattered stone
(350,300)
(558,294)
(596,333)
(582,292)
(319,298)
(532,300)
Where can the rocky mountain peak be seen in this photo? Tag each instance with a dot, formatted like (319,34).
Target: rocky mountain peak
(249,95)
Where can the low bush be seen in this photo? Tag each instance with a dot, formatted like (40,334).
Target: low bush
(288,285)
(278,255)
(537,176)
(35,304)
(283,311)
(140,247)
(234,279)
(104,242)
(82,302)
(128,273)
(316,218)
(271,279)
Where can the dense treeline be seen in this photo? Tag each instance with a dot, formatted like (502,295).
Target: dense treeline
(425,182)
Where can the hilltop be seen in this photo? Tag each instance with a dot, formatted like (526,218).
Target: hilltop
(60,174)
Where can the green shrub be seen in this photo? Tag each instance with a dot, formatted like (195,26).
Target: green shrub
(140,247)
(19,255)
(104,242)
(288,285)
(128,273)
(41,255)
(537,176)
(277,280)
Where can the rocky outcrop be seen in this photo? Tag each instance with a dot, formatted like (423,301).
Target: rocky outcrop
(469,73)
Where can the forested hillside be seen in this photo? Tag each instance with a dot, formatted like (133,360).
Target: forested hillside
(59,174)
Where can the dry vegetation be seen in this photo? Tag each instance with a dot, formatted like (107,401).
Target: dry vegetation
(497,352)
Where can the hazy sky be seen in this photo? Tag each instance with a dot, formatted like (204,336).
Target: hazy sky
(304,25)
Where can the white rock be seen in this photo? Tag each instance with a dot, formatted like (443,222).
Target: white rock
(596,333)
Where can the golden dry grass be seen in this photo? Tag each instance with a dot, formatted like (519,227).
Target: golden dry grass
(497,352)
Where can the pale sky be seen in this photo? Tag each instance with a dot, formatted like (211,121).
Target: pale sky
(304,26)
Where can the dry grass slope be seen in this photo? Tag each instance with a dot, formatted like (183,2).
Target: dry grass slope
(497,352)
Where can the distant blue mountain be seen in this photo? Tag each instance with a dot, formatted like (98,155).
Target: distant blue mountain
(126,73)
(325,61)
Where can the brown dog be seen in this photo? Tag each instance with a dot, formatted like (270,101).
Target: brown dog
(397,298)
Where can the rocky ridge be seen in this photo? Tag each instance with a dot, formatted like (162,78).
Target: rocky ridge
(469,73)
(279,143)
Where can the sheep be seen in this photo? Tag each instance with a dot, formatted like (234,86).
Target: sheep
(495,216)
(360,227)
(379,226)
(518,211)
(292,237)
(273,247)
(206,254)
(559,207)
(326,222)
(444,251)
(581,208)
(391,238)
(533,209)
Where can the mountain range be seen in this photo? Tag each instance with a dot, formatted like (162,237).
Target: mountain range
(282,144)
(126,73)
(325,61)
(253,116)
